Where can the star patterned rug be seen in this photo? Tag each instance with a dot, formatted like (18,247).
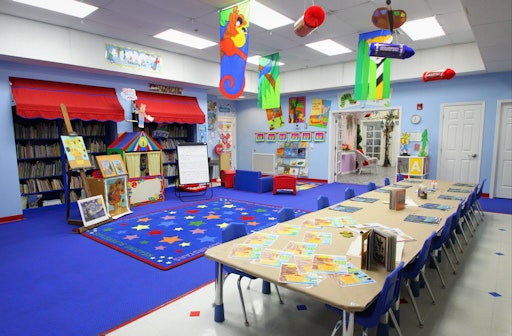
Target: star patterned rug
(181,234)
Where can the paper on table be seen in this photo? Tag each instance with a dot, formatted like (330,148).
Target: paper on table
(354,249)
(399,251)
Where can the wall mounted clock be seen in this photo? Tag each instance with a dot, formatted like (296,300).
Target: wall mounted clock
(415,119)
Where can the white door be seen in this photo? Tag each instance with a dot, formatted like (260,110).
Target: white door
(503,152)
(227,136)
(461,142)
(338,127)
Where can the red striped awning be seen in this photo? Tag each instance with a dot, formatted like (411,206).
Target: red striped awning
(166,108)
(42,99)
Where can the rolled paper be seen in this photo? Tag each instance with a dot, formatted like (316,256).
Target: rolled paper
(389,50)
(434,75)
(313,17)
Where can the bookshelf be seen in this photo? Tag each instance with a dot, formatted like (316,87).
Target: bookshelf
(42,160)
(292,158)
(169,136)
(412,166)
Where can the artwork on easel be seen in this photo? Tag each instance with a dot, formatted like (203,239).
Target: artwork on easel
(117,196)
(93,210)
(111,165)
(76,153)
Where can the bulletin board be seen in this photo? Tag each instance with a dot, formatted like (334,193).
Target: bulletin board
(193,163)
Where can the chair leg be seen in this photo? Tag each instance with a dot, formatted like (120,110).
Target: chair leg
(413,300)
(433,258)
(480,209)
(393,318)
(461,229)
(242,299)
(427,284)
(449,259)
(457,240)
(279,295)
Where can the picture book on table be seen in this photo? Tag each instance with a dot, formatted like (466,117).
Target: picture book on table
(397,199)
(423,219)
(325,263)
(245,251)
(289,273)
(272,257)
(380,250)
(318,237)
(353,277)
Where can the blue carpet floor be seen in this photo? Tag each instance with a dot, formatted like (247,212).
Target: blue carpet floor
(56,282)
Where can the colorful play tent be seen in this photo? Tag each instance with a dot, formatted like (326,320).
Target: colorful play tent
(143,158)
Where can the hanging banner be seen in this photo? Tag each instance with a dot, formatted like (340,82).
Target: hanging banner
(297,109)
(372,73)
(269,91)
(234,47)
(319,115)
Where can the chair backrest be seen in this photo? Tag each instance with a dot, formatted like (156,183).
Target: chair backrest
(413,268)
(233,231)
(322,202)
(389,294)
(399,177)
(371,186)
(438,241)
(349,193)
(386,181)
(480,188)
(285,214)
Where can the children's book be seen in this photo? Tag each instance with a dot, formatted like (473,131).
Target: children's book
(318,237)
(435,206)
(286,229)
(245,251)
(272,257)
(423,219)
(397,199)
(469,185)
(451,197)
(289,273)
(382,190)
(364,199)
(261,238)
(459,190)
(331,264)
(300,248)
(354,277)
(380,249)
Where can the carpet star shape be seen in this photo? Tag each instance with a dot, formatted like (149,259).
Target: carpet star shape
(197,223)
(261,210)
(202,206)
(212,216)
(206,239)
(144,219)
(167,217)
(120,232)
(252,223)
(184,244)
(247,218)
(159,248)
(229,206)
(178,229)
(167,224)
(131,237)
(170,240)
(197,231)
(155,232)
(193,211)
(108,229)
(223,225)
(141,227)
(190,217)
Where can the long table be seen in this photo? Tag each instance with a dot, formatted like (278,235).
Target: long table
(354,298)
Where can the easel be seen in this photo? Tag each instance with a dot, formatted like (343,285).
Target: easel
(83,178)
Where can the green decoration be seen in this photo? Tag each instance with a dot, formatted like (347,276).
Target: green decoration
(424,141)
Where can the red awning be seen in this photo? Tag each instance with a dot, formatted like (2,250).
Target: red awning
(42,99)
(166,108)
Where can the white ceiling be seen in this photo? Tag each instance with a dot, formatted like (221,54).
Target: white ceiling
(464,21)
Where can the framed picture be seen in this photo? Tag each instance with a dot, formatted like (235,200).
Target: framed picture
(76,153)
(111,165)
(93,210)
(116,196)
(319,137)
(305,136)
(282,136)
(271,137)
(295,136)
(260,136)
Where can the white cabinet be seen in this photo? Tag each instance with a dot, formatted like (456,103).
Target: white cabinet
(412,166)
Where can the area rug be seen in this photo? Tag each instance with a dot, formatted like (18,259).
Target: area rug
(301,185)
(172,237)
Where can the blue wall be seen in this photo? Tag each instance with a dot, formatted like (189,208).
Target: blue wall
(461,89)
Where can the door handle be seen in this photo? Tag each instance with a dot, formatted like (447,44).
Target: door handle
(472,155)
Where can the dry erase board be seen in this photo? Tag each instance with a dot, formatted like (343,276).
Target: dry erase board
(193,163)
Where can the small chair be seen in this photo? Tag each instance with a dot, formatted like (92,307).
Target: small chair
(285,214)
(478,196)
(349,193)
(227,178)
(386,181)
(371,316)
(285,182)
(438,243)
(371,186)
(414,270)
(364,161)
(322,202)
(230,232)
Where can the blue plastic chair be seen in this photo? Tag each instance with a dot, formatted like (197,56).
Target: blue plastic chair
(322,202)
(230,232)
(478,196)
(399,177)
(386,181)
(371,186)
(412,273)
(438,245)
(285,214)
(349,193)
(372,315)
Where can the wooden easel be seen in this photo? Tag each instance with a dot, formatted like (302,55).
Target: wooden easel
(69,171)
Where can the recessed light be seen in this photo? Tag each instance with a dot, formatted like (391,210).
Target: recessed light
(423,29)
(328,47)
(185,39)
(68,7)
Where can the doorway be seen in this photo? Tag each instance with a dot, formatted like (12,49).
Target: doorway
(501,182)
(461,142)
(227,137)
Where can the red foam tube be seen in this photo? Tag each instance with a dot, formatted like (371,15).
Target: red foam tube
(313,17)
(434,75)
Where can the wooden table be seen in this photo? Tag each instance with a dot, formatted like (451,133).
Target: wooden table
(355,298)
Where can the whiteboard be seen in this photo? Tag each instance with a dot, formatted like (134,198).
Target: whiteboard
(193,163)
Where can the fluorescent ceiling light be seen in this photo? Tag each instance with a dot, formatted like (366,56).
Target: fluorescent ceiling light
(185,39)
(267,18)
(256,60)
(328,47)
(68,7)
(423,28)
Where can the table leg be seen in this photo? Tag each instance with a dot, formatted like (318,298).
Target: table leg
(265,287)
(219,303)
(348,324)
